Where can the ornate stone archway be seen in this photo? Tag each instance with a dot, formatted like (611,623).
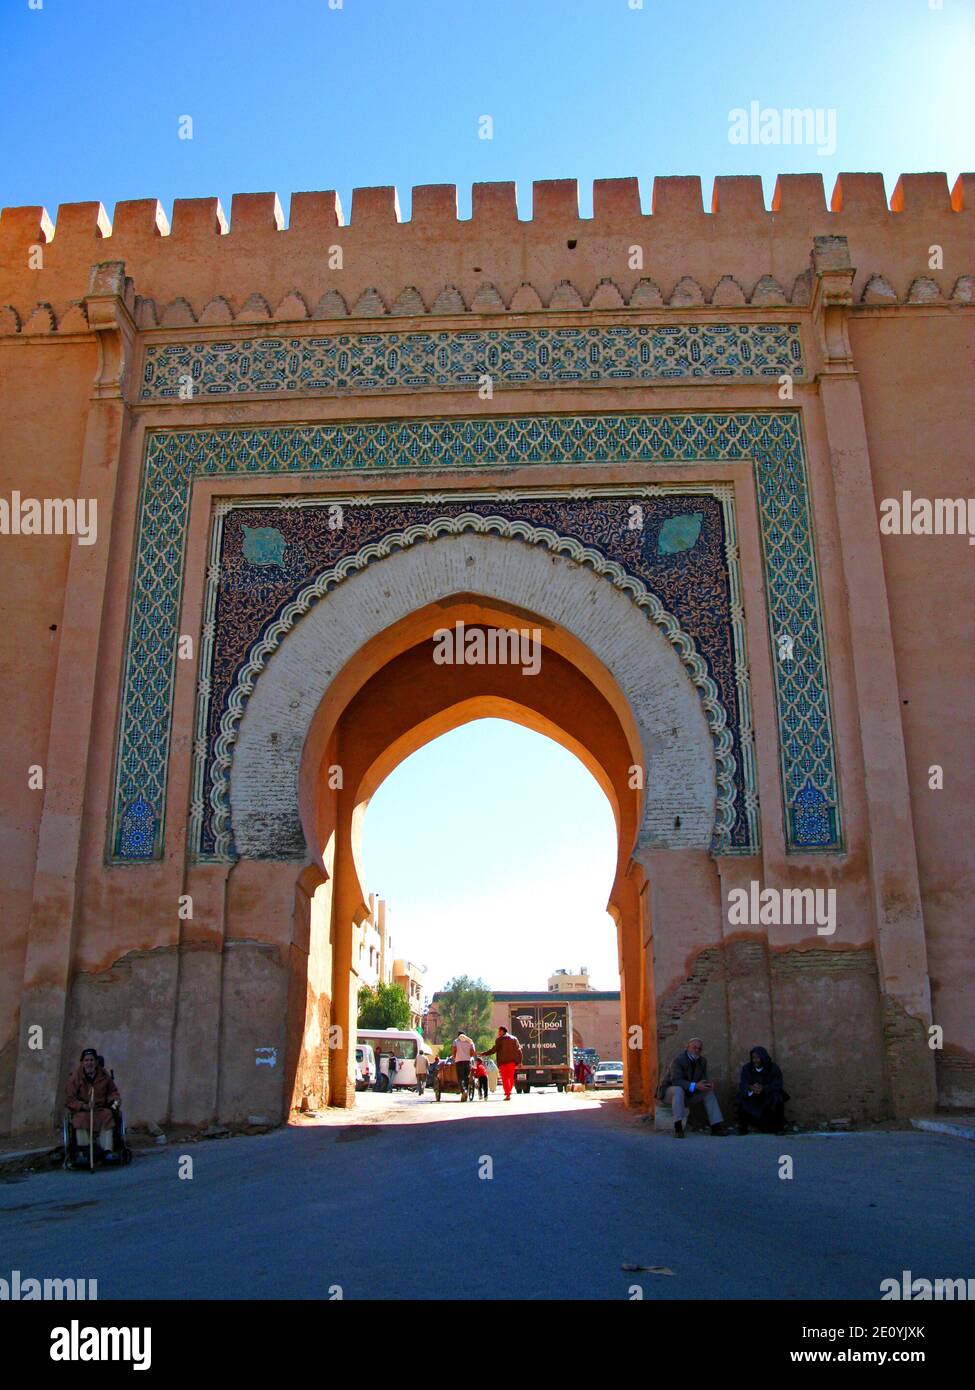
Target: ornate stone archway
(604,630)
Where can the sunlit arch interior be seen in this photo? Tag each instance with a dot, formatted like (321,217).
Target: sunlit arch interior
(496,852)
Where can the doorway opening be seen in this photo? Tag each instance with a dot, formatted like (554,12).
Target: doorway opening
(490,856)
(406,703)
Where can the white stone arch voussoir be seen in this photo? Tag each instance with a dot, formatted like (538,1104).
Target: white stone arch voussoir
(687,746)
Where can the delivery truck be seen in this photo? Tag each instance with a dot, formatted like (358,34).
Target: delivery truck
(544,1030)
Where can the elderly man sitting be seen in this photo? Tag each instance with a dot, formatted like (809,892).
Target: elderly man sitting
(92,1097)
(687,1084)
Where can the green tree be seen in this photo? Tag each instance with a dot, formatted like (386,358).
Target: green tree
(386,1006)
(465,1006)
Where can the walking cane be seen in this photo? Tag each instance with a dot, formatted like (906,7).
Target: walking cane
(91,1130)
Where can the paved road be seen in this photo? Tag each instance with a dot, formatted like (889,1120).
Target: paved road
(391,1206)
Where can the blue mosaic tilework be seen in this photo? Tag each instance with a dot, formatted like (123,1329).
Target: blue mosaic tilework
(358,363)
(138,831)
(771,440)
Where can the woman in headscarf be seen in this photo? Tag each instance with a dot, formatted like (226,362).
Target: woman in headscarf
(761,1096)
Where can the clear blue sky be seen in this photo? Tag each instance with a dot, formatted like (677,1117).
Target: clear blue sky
(494,846)
(289,94)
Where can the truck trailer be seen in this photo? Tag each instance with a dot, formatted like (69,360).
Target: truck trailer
(544,1030)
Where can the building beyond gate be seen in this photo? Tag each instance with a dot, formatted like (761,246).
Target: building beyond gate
(717,460)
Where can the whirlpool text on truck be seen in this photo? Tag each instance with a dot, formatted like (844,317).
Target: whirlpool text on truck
(545,1033)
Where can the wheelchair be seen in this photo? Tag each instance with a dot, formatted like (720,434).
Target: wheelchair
(77,1159)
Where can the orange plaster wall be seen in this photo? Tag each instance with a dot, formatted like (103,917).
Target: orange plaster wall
(929,450)
(44,390)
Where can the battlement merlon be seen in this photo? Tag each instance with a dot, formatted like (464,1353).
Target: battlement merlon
(202,256)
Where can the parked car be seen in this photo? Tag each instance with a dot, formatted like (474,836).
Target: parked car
(609,1074)
(365,1066)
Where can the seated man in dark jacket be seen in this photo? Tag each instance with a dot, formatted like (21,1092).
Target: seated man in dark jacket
(687,1084)
(761,1098)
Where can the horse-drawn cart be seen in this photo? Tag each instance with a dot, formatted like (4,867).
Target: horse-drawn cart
(446,1079)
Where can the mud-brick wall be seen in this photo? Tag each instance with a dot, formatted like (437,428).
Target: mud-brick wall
(829,1029)
(929,451)
(44,389)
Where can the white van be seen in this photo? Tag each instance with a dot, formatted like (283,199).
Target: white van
(406,1044)
(365,1066)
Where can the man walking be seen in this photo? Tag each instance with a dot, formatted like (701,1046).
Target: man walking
(422,1069)
(462,1054)
(688,1084)
(507,1049)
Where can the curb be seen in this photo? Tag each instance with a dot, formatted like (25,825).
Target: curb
(955,1129)
(27,1159)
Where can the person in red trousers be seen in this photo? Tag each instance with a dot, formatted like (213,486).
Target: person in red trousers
(507,1049)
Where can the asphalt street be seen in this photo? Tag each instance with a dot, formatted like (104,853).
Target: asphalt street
(393,1201)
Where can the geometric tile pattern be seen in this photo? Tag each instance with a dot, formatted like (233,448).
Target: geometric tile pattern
(770,440)
(364,363)
(673,547)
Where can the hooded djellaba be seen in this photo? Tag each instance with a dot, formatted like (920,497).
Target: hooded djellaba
(763,1109)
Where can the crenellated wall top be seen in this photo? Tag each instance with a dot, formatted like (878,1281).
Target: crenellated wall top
(375,263)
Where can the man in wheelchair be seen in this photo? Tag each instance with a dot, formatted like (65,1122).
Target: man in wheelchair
(93,1128)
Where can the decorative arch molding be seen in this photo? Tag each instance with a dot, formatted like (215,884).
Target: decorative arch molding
(627,631)
(508,529)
